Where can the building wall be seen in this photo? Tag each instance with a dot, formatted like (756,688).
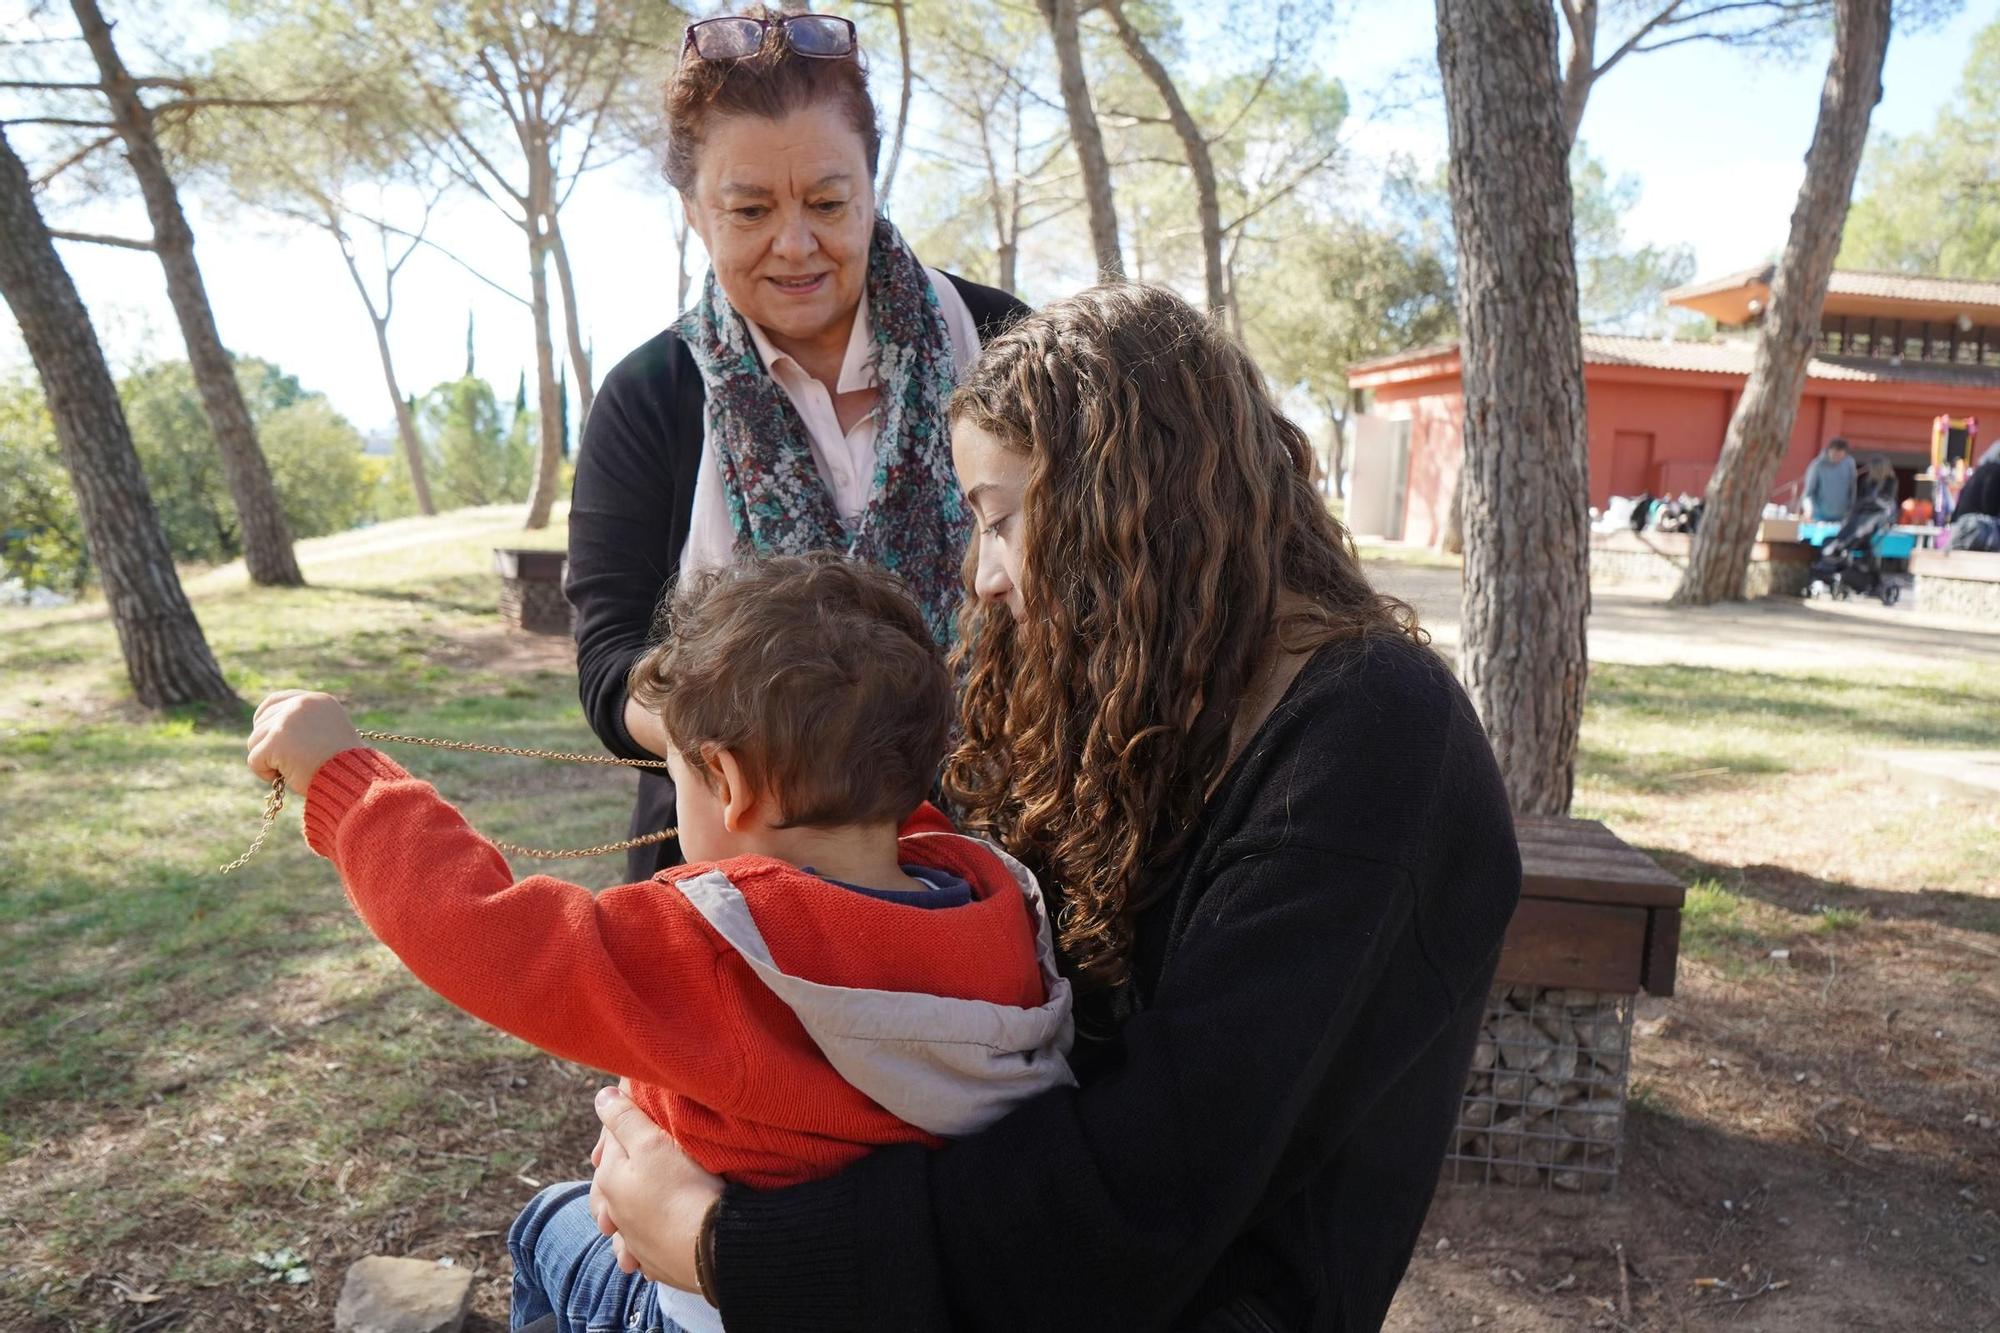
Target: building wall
(1435,410)
(1662,431)
(1658,438)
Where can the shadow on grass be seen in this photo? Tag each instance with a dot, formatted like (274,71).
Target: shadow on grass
(1651,773)
(1867,710)
(98,978)
(469,594)
(1798,892)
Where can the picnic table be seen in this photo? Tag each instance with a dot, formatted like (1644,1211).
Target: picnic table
(1894,544)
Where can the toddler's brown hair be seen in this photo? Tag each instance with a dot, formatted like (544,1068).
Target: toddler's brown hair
(818,672)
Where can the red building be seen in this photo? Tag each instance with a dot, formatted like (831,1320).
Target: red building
(1894,354)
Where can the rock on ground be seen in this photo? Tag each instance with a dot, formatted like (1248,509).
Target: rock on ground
(384,1295)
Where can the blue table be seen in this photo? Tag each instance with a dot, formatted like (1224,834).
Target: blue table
(1895,544)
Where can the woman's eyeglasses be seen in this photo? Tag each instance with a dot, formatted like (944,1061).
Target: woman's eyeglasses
(819,36)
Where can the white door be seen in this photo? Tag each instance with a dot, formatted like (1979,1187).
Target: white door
(1380,485)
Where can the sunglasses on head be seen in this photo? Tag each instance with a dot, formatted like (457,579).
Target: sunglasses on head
(818,36)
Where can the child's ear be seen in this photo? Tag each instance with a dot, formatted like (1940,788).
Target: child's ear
(733,790)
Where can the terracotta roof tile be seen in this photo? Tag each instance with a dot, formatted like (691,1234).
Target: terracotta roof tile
(1723,356)
(1727,283)
(1858,282)
(1907,287)
(1732,356)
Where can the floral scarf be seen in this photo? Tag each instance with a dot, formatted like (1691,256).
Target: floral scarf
(915,525)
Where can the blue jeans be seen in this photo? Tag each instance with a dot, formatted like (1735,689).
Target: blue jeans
(564,1265)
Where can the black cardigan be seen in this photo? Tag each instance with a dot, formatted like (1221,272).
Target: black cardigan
(628,520)
(1982,491)
(1256,1150)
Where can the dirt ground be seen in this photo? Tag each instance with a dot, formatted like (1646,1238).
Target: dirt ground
(1812,1143)
(1634,624)
(1791,1166)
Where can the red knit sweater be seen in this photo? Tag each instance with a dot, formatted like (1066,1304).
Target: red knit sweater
(634,981)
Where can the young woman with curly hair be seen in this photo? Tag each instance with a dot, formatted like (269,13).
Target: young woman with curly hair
(1283,860)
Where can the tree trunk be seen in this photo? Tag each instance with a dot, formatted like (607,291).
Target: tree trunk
(1336,444)
(681,275)
(1003,200)
(901,10)
(1207,208)
(1761,426)
(1526,589)
(166,656)
(542,494)
(267,538)
(1452,539)
(1231,306)
(1007,219)
(1581,70)
(406,421)
(579,355)
(1088,139)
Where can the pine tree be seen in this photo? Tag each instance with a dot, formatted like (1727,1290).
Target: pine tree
(166,656)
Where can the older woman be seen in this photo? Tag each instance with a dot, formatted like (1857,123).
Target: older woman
(799,405)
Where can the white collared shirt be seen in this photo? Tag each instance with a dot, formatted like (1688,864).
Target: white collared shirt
(846,459)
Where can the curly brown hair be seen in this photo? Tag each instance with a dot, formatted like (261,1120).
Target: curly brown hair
(1171,527)
(818,672)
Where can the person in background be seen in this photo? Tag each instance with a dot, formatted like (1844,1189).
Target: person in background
(1829,489)
(1981,493)
(1873,511)
(1975,522)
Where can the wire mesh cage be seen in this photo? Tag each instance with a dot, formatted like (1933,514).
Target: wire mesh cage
(1545,1101)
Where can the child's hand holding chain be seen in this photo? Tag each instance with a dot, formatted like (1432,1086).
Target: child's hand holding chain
(297,731)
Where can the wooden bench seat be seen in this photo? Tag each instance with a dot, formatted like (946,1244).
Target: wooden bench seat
(1974,566)
(1596,913)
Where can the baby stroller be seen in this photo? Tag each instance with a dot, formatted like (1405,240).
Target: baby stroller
(1848,566)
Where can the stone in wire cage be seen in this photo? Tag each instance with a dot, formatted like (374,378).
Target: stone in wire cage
(1545,1100)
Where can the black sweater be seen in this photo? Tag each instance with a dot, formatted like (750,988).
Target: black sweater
(1256,1149)
(628,520)
(1982,491)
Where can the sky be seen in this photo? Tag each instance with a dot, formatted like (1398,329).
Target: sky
(1715,137)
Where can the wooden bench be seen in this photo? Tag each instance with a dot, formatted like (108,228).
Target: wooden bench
(1777,567)
(1598,923)
(1595,914)
(1973,566)
(1960,583)
(531,589)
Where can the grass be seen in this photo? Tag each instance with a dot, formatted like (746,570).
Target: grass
(196,1070)
(242,1037)
(1747,783)
(1838,920)
(1732,767)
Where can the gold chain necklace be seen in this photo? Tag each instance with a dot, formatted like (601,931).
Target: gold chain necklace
(275,801)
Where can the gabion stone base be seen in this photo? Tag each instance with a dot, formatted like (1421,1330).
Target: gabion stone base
(1958,597)
(1545,1102)
(535,605)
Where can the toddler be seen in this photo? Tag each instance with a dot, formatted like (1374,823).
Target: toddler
(829,972)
